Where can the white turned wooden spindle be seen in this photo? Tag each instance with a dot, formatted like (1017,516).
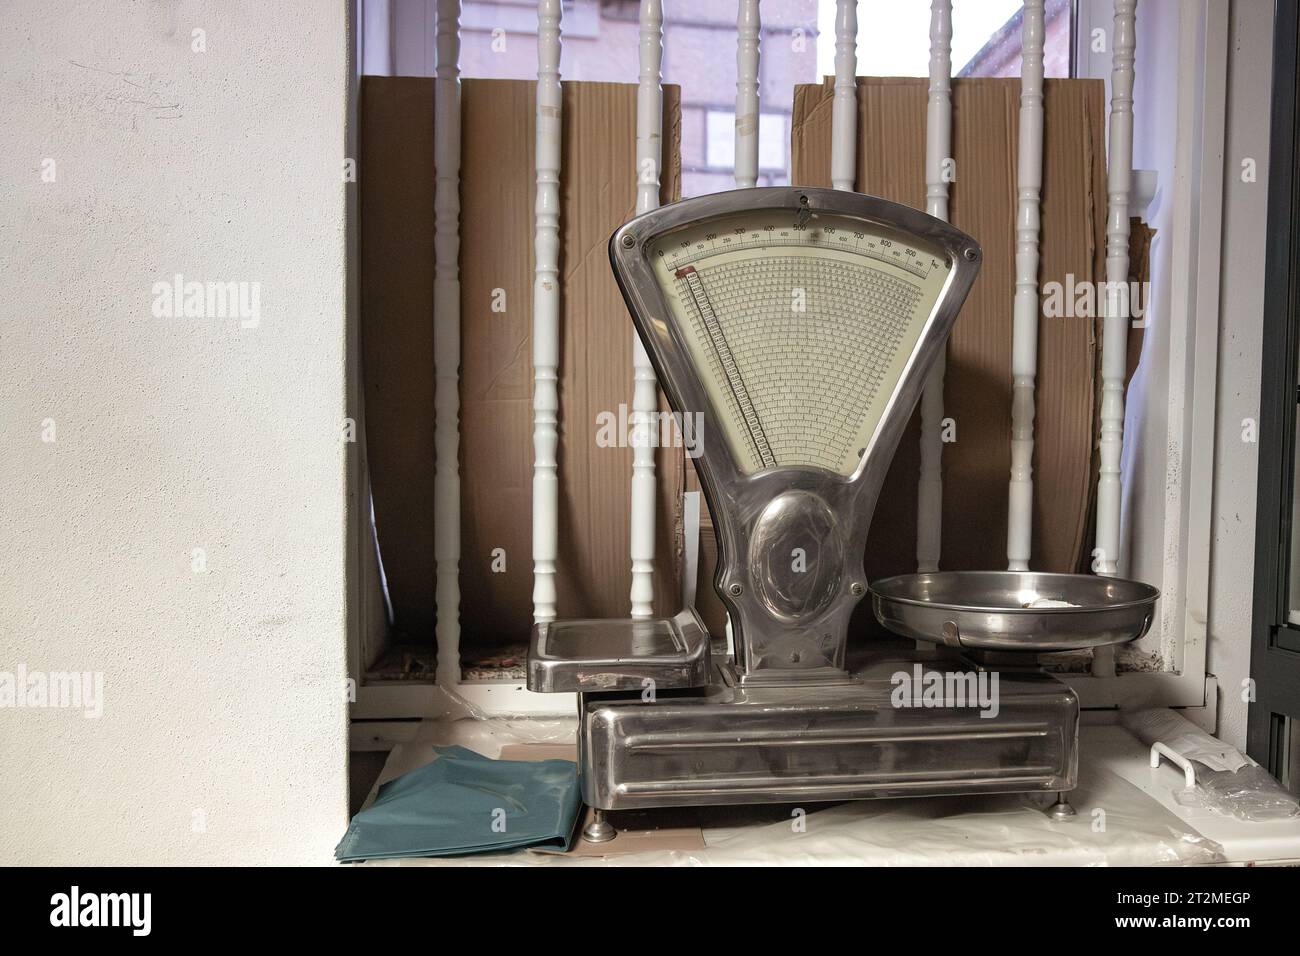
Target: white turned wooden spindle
(1115,303)
(748,32)
(1024,341)
(844,113)
(938,149)
(446,342)
(645,393)
(377,38)
(546,313)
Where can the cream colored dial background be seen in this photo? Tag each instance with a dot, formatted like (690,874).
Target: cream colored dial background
(800,334)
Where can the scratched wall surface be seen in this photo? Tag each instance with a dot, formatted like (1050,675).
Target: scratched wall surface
(182,534)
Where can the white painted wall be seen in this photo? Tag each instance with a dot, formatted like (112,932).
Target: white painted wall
(223,735)
(1236,463)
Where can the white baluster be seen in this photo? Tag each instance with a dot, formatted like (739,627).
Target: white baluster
(1024,348)
(546,313)
(645,394)
(748,30)
(446,342)
(377,38)
(938,148)
(1115,304)
(844,114)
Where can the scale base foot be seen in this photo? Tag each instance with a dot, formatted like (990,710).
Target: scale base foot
(1060,810)
(599,830)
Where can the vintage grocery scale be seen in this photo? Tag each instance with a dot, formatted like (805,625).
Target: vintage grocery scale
(799,324)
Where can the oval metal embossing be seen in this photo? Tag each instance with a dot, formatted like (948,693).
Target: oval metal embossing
(796,556)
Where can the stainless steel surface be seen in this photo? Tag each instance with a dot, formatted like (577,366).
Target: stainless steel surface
(746,744)
(791,535)
(619,654)
(800,419)
(1061,809)
(599,830)
(990,610)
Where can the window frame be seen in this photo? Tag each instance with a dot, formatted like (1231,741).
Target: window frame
(1275,642)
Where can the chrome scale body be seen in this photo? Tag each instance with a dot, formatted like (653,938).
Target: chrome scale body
(668,720)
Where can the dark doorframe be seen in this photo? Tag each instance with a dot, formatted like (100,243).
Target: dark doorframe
(1275,643)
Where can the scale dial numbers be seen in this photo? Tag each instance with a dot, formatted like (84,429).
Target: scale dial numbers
(850,237)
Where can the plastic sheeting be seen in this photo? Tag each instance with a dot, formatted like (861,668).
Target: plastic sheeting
(1227,781)
(1116,825)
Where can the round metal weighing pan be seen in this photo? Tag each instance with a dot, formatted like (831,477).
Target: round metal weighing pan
(986,609)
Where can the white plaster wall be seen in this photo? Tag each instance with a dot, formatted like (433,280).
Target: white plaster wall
(223,736)
(1236,463)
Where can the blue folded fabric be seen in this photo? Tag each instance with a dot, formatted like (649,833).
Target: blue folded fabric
(463,803)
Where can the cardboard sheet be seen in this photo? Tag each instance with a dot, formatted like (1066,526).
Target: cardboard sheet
(496,261)
(977,389)
(891,153)
(396,265)
(397,188)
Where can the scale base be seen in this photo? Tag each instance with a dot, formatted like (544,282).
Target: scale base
(734,744)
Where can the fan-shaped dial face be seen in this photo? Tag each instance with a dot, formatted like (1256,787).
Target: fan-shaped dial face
(800,325)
